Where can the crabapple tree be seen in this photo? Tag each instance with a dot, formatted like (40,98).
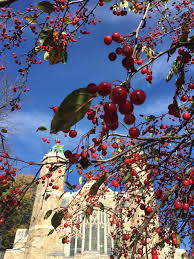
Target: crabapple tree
(151,163)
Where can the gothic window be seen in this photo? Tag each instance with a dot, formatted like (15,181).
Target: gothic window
(93,234)
(101,239)
(94,238)
(79,245)
(72,246)
(86,246)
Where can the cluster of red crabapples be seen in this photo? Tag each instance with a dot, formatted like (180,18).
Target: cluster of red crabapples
(127,51)
(119,102)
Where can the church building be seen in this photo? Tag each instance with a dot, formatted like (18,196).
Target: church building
(89,238)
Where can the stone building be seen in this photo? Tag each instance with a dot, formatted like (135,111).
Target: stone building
(92,240)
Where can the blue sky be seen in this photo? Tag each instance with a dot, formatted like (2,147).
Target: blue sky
(87,62)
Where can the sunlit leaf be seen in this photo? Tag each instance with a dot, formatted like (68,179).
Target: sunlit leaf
(124,3)
(66,20)
(80,180)
(31,19)
(46,56)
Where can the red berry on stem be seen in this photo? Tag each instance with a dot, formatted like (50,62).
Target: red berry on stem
(107,40)
(110,107)
(129,119)
(92,88)
(185,206)
(127,51)
(72,133)
(104,88)
(112,56)
(134,132)
(115,36)
(128,62)
(186,116)
(119,94)
(177,204)
(138,97)
(125,107)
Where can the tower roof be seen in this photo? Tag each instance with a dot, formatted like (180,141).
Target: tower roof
(56,150)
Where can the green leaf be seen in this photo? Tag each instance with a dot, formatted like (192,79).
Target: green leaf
(71,110)
(66,20)
(47,196)
(5,192)
(101,206)
(55,56)
(126,177)
(178,240)
(31,19)
(118,243)
(41,128)
(48,213)
(150,118)
(170,75)
(3,130)
(46,7)
(50,232)
(64,57)
(56,219)
(45,37)
(107,1)
(69,186)
(95,187)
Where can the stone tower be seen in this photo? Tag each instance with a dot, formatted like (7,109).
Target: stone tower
(39,244)
(36,243)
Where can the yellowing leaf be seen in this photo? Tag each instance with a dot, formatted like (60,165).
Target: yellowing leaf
(124,4)
(117,140)
(46,56)
(80,180)
(144,48)
(3,130)
(66,20)
(31,19)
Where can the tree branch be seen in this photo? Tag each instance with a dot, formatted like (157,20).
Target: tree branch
(3,3)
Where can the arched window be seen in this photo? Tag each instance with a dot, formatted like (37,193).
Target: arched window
(93,235)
